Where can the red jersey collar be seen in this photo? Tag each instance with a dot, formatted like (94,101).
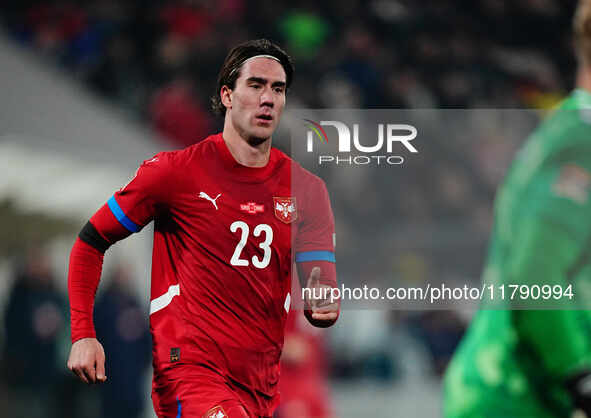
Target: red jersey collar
(242,171)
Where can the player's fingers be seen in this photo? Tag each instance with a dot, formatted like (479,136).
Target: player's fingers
(314,278)
(82,377)
(329,316)
(89,371)
(313,284)
(78,372)
(327,304)
(90,374)
(100,368)
(76,368)
(327,307)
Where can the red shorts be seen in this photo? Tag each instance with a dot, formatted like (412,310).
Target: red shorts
(196,392)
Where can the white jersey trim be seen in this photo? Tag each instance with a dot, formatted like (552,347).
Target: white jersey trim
(164,300)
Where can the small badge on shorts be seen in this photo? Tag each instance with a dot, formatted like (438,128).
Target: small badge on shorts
(175,354)
(215,412)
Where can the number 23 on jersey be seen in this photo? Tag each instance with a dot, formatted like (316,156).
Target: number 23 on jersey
(265,244)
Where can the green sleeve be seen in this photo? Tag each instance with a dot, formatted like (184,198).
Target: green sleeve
(543,255)
(552,236)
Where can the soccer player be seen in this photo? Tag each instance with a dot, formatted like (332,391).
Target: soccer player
(228,226)
(537,363)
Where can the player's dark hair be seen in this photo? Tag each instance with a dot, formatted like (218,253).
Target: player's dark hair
(230,70)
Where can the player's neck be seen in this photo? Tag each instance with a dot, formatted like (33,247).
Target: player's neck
(244,153)
(584,78)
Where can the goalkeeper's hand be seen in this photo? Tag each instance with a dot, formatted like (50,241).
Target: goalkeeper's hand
(579,387)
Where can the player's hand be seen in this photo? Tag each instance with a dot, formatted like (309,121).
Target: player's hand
(321,309)
(87,360)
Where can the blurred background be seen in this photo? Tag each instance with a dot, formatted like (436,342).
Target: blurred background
(92,88)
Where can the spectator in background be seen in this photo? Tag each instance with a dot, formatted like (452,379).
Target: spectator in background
(439,332)
(34,324)
(121,326)
(119,75)
(186,19)
(177,115)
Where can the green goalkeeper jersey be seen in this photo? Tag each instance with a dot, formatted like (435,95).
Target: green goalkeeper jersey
(512,363)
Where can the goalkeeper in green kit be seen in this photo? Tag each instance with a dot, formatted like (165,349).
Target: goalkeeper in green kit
(537,363)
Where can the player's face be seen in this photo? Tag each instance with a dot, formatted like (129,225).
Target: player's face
(258,99)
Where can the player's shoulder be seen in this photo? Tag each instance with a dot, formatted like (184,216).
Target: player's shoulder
(568,125)
(564,140)
(561,138)
(299,174)
(179,159)
(306,185)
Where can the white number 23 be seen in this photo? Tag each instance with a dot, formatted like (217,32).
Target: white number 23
(265,245)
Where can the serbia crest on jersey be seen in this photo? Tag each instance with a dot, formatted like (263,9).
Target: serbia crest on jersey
(285,209)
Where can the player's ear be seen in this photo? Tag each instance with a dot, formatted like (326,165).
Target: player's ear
(226,96)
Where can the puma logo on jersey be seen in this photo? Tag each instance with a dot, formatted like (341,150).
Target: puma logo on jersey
(205,196)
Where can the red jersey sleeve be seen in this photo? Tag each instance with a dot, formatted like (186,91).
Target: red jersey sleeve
(129,210)
(136,204)
(86,263)
(316,232)
(315,241)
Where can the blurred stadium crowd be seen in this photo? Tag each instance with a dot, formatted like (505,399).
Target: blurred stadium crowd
(157,62)
(33,381)
(159,59)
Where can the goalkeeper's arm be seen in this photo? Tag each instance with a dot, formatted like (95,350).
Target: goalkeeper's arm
(546,252)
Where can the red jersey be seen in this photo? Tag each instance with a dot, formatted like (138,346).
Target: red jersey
(224,244)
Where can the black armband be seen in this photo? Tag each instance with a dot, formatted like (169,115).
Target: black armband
(90,235)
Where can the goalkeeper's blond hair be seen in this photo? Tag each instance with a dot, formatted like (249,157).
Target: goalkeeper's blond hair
(582,31)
